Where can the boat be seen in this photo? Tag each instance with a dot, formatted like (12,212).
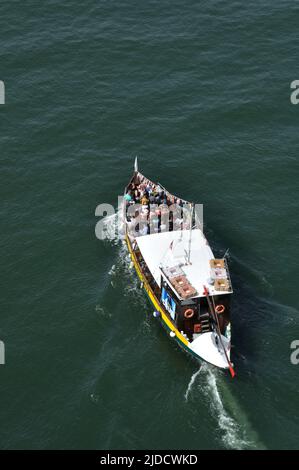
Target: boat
(188,287)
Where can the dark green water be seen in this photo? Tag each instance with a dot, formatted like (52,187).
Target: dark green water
(200,90)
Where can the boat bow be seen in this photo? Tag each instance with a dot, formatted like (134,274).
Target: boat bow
(208,347)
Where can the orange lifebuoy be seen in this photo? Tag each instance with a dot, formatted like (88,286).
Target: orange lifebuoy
(220,309)
(189,313)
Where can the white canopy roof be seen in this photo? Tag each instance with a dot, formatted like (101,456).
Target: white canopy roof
(170,249)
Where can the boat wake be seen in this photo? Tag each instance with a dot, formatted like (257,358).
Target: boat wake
(102,312)
(233,427)
(122,273)
(191,383)
(113,227)
(233,435)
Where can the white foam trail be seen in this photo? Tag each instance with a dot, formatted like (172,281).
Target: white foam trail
(111,272)
(232,434)
(191,383)
(233,427)
(122,272)
(102,312)
(94,398)
(113,227)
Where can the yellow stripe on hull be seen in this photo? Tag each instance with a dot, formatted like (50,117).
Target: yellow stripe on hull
(154,299)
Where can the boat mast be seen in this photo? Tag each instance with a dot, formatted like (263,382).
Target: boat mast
(190,235)
(217,328)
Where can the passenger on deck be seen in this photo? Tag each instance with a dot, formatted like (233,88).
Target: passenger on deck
(168,201)
(142,187)
(149,189)
(145,200)
(128,196)
(152,198)
(159,189)
(157,199)
(163,198)
(136,195)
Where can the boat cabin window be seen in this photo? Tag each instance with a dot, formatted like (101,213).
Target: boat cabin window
(168,302)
